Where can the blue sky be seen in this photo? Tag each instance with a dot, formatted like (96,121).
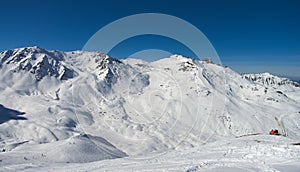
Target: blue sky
(249,36)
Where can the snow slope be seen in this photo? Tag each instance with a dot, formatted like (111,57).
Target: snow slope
(59,107)
(253,153)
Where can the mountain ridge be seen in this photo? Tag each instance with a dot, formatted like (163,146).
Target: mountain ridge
(54,53)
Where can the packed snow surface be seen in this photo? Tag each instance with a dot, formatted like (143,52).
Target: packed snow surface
(78,111)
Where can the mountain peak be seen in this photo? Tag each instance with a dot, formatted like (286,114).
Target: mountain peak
(180,57)
(37,61)
(269,79)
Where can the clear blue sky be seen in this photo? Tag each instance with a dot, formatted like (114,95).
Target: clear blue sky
(249,36)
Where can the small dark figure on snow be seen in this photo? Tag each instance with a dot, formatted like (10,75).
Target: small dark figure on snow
(274,132)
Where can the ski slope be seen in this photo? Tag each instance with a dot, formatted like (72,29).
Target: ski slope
(59,109)
(252,153)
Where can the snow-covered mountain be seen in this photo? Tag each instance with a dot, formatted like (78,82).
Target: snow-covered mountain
(269,79)
(36,61)
(87,106)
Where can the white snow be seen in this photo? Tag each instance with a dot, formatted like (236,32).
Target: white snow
(66,111)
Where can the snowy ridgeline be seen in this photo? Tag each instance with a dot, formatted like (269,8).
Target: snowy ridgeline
(75,107)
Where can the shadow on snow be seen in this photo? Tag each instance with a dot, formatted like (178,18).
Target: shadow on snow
(7,114)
